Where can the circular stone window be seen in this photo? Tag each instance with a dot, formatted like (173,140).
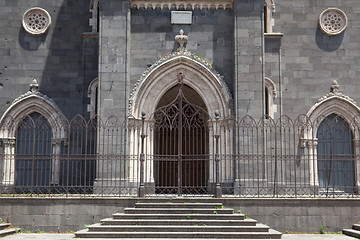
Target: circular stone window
(36,21)
(333,21)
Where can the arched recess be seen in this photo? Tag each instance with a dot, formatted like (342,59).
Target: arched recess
(159,79)
(338,104)
(31,102)
(93,95)
(162,76)
(270,95)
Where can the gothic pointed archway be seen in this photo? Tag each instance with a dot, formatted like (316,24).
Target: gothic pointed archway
(157,88)
(181,142)
(199,75)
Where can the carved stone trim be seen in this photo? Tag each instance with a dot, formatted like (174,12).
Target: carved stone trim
(36,21)
(207,4)
(34,91)
(32,101)
(333,21)
(93,21)
(335,92)
(185,62)
(181,39)
(334,102)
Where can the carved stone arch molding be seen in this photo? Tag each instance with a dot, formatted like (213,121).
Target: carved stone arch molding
(334,102)
(162,76)
(28,103)
(337,103)
(199,75)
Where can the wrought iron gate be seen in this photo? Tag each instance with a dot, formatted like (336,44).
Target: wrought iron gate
(181,146)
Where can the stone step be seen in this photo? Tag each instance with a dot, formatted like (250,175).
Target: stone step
(178,211)
(179,205)
(352,232)
(272,234)
(180,219)
(193,216)
(356,227)
(180,222)
(4,225)
(8,231)
(128,228)
(180,200)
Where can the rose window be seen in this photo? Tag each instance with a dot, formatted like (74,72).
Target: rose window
(36,21)
(333,21)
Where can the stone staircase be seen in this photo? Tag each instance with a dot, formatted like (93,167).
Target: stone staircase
(179,220)
(7,229)
(354,232)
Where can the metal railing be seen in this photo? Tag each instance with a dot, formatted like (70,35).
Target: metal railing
(222,158)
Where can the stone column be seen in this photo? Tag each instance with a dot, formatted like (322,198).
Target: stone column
(114,44)
(55,162)
(312,151)
(357,164)
(9,162)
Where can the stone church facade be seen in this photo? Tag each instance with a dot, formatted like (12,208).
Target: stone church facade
(266,91)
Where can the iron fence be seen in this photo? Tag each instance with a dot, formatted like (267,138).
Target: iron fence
(219,156)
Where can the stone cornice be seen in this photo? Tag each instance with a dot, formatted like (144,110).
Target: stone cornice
(186,4)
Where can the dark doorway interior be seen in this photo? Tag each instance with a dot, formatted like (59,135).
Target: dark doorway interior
(335,155)
(181,148)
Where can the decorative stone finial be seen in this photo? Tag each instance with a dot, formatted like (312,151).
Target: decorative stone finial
(181,39)
(34,86)
(335,87)
(335,92)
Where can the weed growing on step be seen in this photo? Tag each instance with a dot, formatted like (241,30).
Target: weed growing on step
(238,211)
(215,212)
(1,221)
(322,229)
(188,217)
(246,216)
(39,231)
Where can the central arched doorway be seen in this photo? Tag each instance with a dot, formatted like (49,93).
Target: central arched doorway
(181,142)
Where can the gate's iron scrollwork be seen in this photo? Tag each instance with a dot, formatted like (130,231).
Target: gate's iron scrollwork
(181,146)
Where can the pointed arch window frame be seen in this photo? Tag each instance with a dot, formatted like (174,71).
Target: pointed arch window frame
(341,105)
(31,102)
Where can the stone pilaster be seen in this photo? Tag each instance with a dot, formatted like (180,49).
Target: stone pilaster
(114,37)
(114,44)
(249,52)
